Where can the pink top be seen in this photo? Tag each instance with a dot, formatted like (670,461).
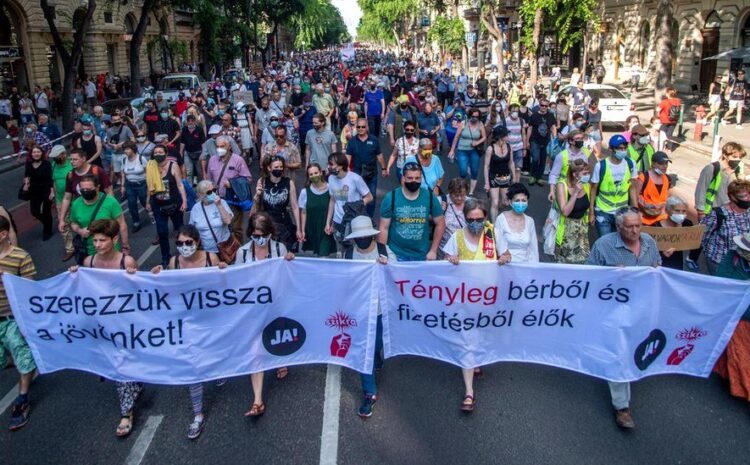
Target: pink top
(236,167)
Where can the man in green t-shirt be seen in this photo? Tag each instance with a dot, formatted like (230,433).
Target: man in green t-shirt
(82,211)
(60,168)
(405,215)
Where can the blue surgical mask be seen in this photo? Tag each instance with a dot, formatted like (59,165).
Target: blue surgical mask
(211,198)
(658,171)
(586,178)
(621,154)
(520,206)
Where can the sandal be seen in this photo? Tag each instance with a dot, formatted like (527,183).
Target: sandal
(282,372)
(468,406)
(196,427)
(124,430)
(478,373)
(256,410)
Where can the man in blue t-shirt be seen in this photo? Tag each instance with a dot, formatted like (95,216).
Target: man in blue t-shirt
(364,154)
(374,108)
(405,215)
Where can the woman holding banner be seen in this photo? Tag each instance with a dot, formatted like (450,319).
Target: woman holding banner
(104,235)
(725,222)
(260,230)
(475,241)
(676,210)
(192,255)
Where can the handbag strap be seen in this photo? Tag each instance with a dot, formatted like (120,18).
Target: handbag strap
(210,228)
(98,206)
(223,168)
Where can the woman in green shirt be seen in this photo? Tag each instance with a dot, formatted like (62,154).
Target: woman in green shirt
(60,168)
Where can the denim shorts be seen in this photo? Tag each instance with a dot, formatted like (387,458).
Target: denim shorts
(12,340)
(518,158)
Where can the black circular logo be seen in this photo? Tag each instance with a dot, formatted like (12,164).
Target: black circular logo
(650,349)
(283,336)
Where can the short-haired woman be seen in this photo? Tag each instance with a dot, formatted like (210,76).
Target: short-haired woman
(211,216)
(515,232)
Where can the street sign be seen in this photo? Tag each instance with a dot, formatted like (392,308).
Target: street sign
(471,38)
(10,52)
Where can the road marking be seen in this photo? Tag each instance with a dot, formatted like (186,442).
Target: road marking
(140,447)
(329,438)
(11,395)
(144,256)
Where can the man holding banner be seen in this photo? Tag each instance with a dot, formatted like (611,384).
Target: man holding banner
(16,261)
(625,247)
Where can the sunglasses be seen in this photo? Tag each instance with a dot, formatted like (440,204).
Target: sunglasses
(543,106)
(361,127)
(256,236)
(210,191)
(408,132)
(280,136)
(188,243)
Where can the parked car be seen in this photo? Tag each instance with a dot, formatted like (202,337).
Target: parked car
(613,104)
(172,84)
(135,103)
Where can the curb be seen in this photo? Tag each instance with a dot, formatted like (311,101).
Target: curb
(13,166)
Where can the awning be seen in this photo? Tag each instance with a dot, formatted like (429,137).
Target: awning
(735,53)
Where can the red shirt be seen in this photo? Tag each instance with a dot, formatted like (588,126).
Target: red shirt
(73,179)
(664,107)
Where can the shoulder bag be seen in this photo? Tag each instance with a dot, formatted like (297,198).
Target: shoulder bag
(228,248)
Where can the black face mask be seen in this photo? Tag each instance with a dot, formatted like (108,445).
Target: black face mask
(734,163)
(363,242)
(88,194)
(160,158)
(578,144)
(744,204)
(412,186)
(277,173)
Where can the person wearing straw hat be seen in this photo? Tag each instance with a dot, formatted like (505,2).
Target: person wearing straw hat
(734,363)
(365,247)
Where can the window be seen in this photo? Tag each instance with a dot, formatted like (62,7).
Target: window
(108,17)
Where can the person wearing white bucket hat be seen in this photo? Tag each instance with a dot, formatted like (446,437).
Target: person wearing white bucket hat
(366,248)
(733,364)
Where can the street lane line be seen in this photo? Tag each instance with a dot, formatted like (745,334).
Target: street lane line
(329,437)
(11,396)
(140,447)
(142,259)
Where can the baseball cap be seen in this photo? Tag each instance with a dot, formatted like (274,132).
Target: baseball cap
(660,158)
(56,151)
(214,129)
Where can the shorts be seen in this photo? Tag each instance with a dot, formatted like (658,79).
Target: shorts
(12,340)
(117,161)
(518,158)
(499,182)
(738,104)
(714,99)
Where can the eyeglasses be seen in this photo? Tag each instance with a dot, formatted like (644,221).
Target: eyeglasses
(361,127)
(188,243)
(210,191)
(280,136)
(543,106)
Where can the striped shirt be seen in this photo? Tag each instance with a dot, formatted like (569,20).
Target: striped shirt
(515,138)
(17,262)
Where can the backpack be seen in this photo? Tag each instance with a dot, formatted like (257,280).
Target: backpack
(674,112)
(603,167)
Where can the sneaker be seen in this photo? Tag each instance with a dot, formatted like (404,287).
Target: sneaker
(525,173)
(623,419)
(153,220)
(739,126)
(532,181)
(196,427)
(136,228)
(541,182)
(365,410)
(19,415)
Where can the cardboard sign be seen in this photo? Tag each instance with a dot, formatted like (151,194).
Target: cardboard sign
(679,238)
(256,68)
(244,96)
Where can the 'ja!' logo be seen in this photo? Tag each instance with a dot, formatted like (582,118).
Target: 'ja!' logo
(283,336)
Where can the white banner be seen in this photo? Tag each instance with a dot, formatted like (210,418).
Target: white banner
(620,324)
(196,325)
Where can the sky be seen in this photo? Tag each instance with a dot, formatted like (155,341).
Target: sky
(351,12)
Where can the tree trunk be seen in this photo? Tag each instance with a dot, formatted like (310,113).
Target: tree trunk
(585,51)
(70,60)
(538,20)
(465,57)
(663,49)
(135,47)
(497,33)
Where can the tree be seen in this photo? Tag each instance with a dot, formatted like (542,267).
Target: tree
(387,15)
(664,21)
(488,15)
(449,34)
(70,54)
(319,24)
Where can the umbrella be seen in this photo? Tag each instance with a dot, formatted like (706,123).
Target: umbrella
(735,53)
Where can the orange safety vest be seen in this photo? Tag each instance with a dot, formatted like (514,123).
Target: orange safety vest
(650,195)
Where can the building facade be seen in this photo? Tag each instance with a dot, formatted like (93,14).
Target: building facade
(27,51)
(700,29)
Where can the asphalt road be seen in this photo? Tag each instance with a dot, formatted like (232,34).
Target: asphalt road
(526,414)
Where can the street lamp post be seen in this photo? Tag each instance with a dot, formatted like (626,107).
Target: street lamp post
(520,25)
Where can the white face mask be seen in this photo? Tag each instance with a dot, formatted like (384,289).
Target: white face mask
(261,241)
(221,151)
(677,217)
(643,140)
(187,250)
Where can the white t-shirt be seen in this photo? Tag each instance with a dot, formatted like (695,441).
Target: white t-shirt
(523,246)
(198,219)
(90,90)
(451,247)
(302,200)
(350,188)
(42,102)
(135,170)
(617,171)
(245,253)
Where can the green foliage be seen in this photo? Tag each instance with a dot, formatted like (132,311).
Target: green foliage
(449,34)
(318,25)
(385,20)
(568,18)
